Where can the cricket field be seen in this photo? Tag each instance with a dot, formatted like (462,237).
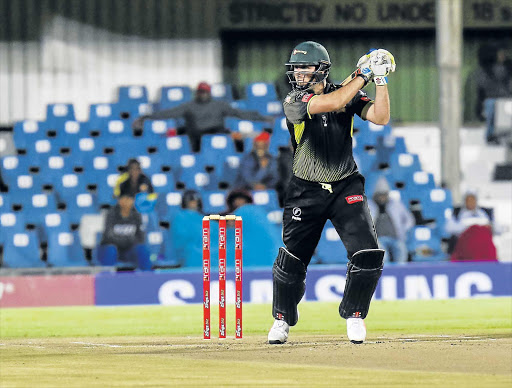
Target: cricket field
(435,343)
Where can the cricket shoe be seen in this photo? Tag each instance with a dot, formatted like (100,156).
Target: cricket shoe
(278,334)
(356,330)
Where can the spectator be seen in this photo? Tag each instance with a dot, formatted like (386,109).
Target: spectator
(133,181)
(464,218)
(493,81)
(258,169)
(123,238)
(191,200)
(202,116)
(236,199)
(285,172)
(392,221)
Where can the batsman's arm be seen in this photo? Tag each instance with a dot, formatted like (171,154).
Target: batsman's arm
(332,102)
(379,113)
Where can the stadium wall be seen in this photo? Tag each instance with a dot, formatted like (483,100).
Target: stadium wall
(324,283)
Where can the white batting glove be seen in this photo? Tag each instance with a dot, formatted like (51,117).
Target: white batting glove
(382,62)
(364,69)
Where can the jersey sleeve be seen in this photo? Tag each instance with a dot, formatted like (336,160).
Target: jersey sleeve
(359,105)
(295,106)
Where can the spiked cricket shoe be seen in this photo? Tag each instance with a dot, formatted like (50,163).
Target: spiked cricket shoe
(356,330)
(278,334)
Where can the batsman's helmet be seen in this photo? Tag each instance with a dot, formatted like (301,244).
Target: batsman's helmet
(309,54)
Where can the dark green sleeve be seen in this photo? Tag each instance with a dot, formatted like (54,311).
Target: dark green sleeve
(295,106)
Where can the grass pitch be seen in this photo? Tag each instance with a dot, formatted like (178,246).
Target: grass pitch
(466,343)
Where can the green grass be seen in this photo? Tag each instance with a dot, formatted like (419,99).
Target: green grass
(452,343)
(484,316)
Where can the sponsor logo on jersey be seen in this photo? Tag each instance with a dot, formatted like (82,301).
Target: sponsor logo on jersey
(354,198)
(307,97)
(299,51)
(296,211)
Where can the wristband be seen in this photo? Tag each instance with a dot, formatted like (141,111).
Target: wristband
(365,78)
(380,80)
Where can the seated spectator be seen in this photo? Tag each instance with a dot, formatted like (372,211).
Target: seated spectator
(202,116)
(258,169)
(123,239)
(467,216)
(191,200)
(475,244)
(392,221)
(236,199)
(133,181)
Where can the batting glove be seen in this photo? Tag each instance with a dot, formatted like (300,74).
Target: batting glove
(364,69)
(382,62)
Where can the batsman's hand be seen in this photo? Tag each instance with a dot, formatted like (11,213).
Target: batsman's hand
(382,62)
(363,67)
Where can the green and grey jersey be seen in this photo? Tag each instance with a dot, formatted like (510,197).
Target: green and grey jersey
(322,142)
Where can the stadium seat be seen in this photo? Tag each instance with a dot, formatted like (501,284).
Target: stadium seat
(155,131)
(163,182)
(68,186)
(222,92)
(38,206)
(214,202)
(65,250)
(14,166)
(424,245)
(155,243)
(5,203)
(266,198)
(171,96)
(371,132)
(215,148)
(21,250)
(261,91)
(132,95)
(10,223)
(280,136)
(25,186)
(27,132)
(54,168)
(264,107)
(58,114)
(229,172)
(80,204)
(175,147)
(101,114)
(245,127)
(168,205)
(56,222)
(437,204)
(422,182)
(404,165)
(330,248)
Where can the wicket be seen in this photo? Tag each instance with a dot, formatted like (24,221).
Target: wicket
(222,274)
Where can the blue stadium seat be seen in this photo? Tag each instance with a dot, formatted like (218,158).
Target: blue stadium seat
(27,132)
(175,147)
(266,198)
(214,202)
(5,203)
(280,136)
(21,250)
(198,179)
(65,250)
(222,92)
(230,167)
(14,166)
(155,131)
(163,182)
(261,91)
(214,148)
(330,249)
(58,114)
(245,127)
(132,95)
(56,222)
(404,166)
(155,243)
(424,245)
(55,167)
(264,107)
(25,186)
(101,114)
(68,186)
(11,222)
(171,96)
(80,204)
(239,104)
(422,182)
(38,206)
(371,133)
(116,130)
(168,205)
(437,204)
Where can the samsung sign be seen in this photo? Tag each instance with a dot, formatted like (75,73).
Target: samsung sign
(411,282)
